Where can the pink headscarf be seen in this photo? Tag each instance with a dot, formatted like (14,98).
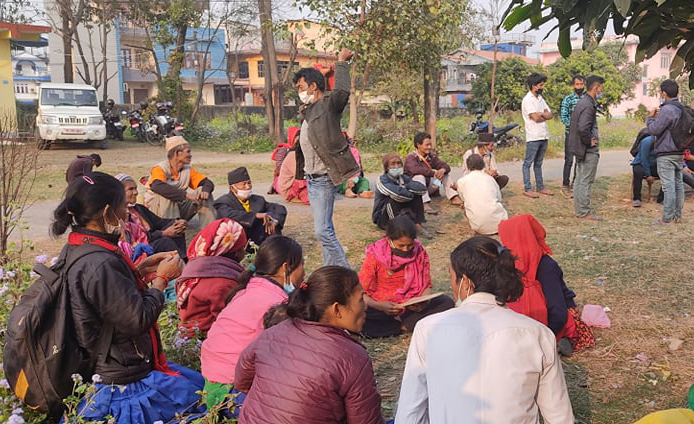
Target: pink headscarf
(417,277)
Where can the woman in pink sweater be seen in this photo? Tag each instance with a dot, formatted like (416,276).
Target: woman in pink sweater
(278,268)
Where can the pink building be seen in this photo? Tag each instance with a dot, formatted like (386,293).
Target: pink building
(654,68)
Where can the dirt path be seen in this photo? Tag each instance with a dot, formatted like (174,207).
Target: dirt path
(38,216)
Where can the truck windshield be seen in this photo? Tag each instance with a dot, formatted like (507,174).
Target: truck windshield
(68,97)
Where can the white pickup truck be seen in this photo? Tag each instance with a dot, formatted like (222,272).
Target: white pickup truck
(69,112)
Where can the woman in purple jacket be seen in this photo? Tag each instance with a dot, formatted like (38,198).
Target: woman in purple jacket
(308,369)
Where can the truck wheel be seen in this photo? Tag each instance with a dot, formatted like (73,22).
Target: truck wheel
(103,144)
(41,143)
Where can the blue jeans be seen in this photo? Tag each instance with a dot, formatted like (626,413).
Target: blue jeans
(321,195)
(670,173)
(534,155)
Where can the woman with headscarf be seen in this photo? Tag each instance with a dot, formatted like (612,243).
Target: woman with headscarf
(546,298)
(211,274)
(143,228)
(397,194)
(395,270)
(286,182)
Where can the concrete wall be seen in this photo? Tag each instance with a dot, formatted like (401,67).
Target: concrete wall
(7,102)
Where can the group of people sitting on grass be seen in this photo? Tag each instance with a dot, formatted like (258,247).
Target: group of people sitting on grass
(280,347)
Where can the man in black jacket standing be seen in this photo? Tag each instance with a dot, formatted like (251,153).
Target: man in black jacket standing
(583,141)
(259,218)
(323,156)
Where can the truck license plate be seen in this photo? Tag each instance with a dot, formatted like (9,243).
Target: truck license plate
(73,131)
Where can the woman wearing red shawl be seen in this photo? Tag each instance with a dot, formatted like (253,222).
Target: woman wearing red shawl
(286,183)
(210,276)
(110,301)
(546,298)
(396,269)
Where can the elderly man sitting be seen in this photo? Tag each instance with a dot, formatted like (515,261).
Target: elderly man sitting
(258,217)
(485,148)
(176,190)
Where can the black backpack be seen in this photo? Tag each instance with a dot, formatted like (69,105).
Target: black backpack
(41,350)
(636,147)
(683,131)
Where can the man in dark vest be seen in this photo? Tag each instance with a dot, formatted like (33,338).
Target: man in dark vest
(258,217)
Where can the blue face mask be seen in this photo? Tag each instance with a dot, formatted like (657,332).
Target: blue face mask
(599,96)
(395,172)
(288,288)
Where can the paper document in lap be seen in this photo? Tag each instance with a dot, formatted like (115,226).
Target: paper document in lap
(420,299)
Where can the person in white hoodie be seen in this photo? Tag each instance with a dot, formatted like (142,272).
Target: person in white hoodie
(481,197)
(481,362)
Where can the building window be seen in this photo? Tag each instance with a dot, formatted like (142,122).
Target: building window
(261,69)
(665,60)
(645,89)
(283,64)
(197,60)
(645,71)
(127,59)
(243,69)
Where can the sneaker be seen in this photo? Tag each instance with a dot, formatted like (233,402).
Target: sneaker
(425,234)
(661,223)
(567,192)
(636,203)
(531,194)
(546,192)
(428,209)
(456,201)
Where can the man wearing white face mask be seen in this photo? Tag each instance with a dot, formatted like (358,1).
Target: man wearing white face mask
(259,218)
(323,156)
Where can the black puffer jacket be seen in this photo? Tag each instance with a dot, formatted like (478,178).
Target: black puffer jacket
(103,289)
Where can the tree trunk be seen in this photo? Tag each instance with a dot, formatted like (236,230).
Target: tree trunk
(68,75)
(415,112)
(273,88)
(492,103)
(432,86)
(176,64)
(104,70)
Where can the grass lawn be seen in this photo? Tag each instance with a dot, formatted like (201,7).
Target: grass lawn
(646,284)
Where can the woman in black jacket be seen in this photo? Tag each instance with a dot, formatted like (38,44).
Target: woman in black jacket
(110,299)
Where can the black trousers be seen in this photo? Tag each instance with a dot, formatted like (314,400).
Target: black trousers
(167,244)
(414,209)
(380,324)
(639,175)
(568,162)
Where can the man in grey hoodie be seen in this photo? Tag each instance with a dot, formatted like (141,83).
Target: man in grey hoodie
(669,155)
(583,144)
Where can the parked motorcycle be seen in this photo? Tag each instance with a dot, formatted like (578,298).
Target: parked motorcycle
(114,126)
(138,125)
(502,138)
(163,125)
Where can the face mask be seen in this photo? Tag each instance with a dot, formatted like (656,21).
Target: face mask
(662,100)
(305,97)
(599,96)
(460,300)
(539,91)
(578,91)
(395,172)
(244,194)
(287,286)
(115,230)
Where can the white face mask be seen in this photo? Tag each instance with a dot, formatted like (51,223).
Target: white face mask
(244,194)
(460,300)
(305,97)
(115,230)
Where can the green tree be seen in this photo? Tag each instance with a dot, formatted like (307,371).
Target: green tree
(657,23)
(510,85)
(686,94)
(619,85)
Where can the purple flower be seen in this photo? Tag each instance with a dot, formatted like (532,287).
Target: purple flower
(76,378)
(15,419)
(4,383)
(17,411)
(3,289)
(41,259)
(179,342)
(2,274)
(33,275)
(10,274)
(96,378)
(54,260)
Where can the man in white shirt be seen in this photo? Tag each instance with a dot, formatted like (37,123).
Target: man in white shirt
(536,113)
(485,148)
(481,198)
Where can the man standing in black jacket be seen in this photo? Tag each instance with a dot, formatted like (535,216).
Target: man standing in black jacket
(583,141)
(323,155)
(259,218)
